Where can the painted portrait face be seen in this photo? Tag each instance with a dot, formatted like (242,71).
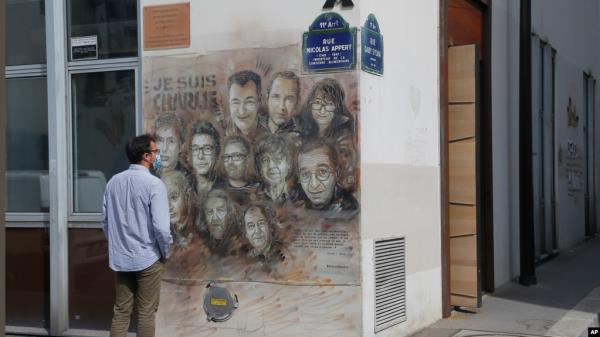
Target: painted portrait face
(282,100)
(274,168)
(243,106)
(322,110)
(257,229)
(168,143)
(215,209)
(203,154)
(235,161)
(317,176)
(348,158)
(175,196)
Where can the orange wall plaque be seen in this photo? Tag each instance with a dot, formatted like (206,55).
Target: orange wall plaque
(167,26)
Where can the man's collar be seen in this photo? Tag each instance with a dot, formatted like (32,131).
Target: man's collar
(137,167)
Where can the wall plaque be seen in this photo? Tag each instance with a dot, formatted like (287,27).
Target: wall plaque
(329,45)
(167,26)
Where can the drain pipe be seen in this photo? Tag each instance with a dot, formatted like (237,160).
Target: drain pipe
(526,230)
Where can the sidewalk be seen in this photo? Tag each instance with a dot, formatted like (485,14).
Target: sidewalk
(564,303)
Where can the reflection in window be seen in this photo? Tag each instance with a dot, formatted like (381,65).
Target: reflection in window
(91,282)
(103,120)
(114,22)
(28,277)
(27,145)
(25,32)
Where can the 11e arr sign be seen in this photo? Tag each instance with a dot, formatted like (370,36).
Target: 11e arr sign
(329,45)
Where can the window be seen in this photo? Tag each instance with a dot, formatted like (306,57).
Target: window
(27,145)
(112,22)
(27,275)
(103,119)
(87,119)
(27,195)
(25,32)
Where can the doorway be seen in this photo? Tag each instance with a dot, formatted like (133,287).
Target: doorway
(467,223)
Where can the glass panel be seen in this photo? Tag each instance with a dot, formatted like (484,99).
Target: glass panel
(25,32)
(91,282)
(103,121)
(114,22)
(27,277)
(27,145)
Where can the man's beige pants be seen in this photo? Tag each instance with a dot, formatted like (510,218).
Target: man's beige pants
(143,287)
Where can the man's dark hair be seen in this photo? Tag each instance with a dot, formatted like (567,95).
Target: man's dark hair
(206,128)
(286,75)
(242,77)
(136,147)
(331,90)
(239,140)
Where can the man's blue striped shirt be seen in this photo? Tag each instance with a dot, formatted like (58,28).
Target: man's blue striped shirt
(135,215)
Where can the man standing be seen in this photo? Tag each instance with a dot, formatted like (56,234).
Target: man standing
(136,224)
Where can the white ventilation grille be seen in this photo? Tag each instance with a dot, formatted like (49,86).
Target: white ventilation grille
(390,283)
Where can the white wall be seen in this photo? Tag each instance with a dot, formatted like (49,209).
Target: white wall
(400,177)
(234,24)
(400,156)
(571,27)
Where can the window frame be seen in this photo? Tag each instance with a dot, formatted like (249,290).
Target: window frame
(58,72)
(76,219)
(16,72)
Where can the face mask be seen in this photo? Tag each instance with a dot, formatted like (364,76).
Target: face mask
(156,164)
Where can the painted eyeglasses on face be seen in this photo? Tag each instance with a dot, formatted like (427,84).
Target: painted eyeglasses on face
(321,173)
(206,150)
(318,104)
(236,156)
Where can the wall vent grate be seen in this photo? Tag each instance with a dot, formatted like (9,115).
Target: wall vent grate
(390,282)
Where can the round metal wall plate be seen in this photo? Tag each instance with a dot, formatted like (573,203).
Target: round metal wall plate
(219,303)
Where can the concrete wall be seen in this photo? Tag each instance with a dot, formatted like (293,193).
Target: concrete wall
(400,178)
(400,156)
(571,27)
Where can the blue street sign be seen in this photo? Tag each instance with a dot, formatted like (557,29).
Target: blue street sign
(372,47)
(329,45)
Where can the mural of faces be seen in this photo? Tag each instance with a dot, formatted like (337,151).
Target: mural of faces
(257,230)
(243,106)
(282,101)
(167,141)
(216,213)
(235,160)
(175,183)
(274,168)
(203,154)
(322,110)
(316,172)
(287,167)
(348,157)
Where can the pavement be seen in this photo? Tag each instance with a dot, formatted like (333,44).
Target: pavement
(564,303)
